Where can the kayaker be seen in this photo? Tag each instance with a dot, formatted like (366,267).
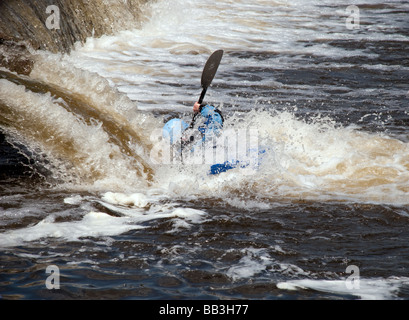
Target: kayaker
(207,119)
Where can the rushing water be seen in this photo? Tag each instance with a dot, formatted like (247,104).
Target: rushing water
(324,84)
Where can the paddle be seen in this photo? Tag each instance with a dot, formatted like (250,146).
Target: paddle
(209,71)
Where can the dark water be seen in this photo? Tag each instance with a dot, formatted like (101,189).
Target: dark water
(287,242)
(288,232)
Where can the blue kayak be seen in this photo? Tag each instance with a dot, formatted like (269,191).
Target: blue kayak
(254,162)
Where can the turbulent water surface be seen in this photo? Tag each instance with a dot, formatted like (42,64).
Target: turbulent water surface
(323,215)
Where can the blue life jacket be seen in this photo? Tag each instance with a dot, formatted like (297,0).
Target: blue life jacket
(213,122)
(210,124)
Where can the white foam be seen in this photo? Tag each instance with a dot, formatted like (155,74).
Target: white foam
(258,262)
(192,215)
(135,199)
(254,262)
(75,199)
(369,289)
(129,211)
(98,224)
(93,224)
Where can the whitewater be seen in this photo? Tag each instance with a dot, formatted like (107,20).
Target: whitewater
(326,96)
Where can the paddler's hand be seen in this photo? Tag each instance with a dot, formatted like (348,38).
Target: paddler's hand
(196,107)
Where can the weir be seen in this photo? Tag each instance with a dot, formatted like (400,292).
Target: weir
(26,20)
(28,24)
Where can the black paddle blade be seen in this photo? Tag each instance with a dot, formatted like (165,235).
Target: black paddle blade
(210,68)
(209,71)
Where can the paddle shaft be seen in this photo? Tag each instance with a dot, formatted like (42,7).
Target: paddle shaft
(202,95)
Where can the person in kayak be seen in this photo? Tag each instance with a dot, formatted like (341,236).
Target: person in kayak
(208,120)
(207,123)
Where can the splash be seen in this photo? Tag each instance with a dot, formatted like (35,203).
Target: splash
(314,160)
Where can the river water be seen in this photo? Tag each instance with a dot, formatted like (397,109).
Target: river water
(324,85)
